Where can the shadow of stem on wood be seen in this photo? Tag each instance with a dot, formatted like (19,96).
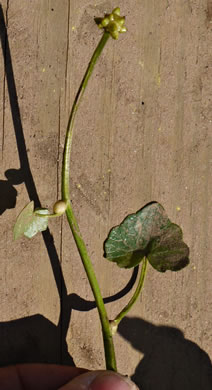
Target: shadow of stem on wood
(35,338)
(25,171)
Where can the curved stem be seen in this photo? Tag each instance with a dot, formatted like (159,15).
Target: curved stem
(106,330)
(69,132)
(135,296)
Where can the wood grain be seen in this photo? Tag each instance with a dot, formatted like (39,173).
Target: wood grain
(143,133)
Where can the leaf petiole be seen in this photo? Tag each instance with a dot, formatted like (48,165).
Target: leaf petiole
(114,324)
(37,214)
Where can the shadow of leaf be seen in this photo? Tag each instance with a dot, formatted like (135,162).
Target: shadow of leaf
(170,361)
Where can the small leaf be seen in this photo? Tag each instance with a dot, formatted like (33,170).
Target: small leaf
(28,223)
(149,232)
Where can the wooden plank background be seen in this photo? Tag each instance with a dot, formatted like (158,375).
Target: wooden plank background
(143,133)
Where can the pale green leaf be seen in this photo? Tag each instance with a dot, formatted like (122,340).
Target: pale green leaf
(28,223)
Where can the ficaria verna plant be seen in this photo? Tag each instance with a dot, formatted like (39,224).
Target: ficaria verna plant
(146,236)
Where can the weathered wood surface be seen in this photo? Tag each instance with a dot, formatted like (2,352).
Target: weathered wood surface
(143,133)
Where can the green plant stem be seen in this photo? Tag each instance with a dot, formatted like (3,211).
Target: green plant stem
(106,330)
(77,100)
(135,296)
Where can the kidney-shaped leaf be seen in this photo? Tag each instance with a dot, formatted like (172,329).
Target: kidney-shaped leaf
(28,223)
(149,232)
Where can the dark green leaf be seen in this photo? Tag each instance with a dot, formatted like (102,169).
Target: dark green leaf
(28,223)
(149,233)
(168,252)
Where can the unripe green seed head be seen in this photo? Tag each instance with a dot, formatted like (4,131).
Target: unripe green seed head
(113,23)
(59,207)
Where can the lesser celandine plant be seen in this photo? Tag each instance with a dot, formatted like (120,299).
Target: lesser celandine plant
(148,236)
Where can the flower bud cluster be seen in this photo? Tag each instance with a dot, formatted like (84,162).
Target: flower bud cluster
(113,23)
